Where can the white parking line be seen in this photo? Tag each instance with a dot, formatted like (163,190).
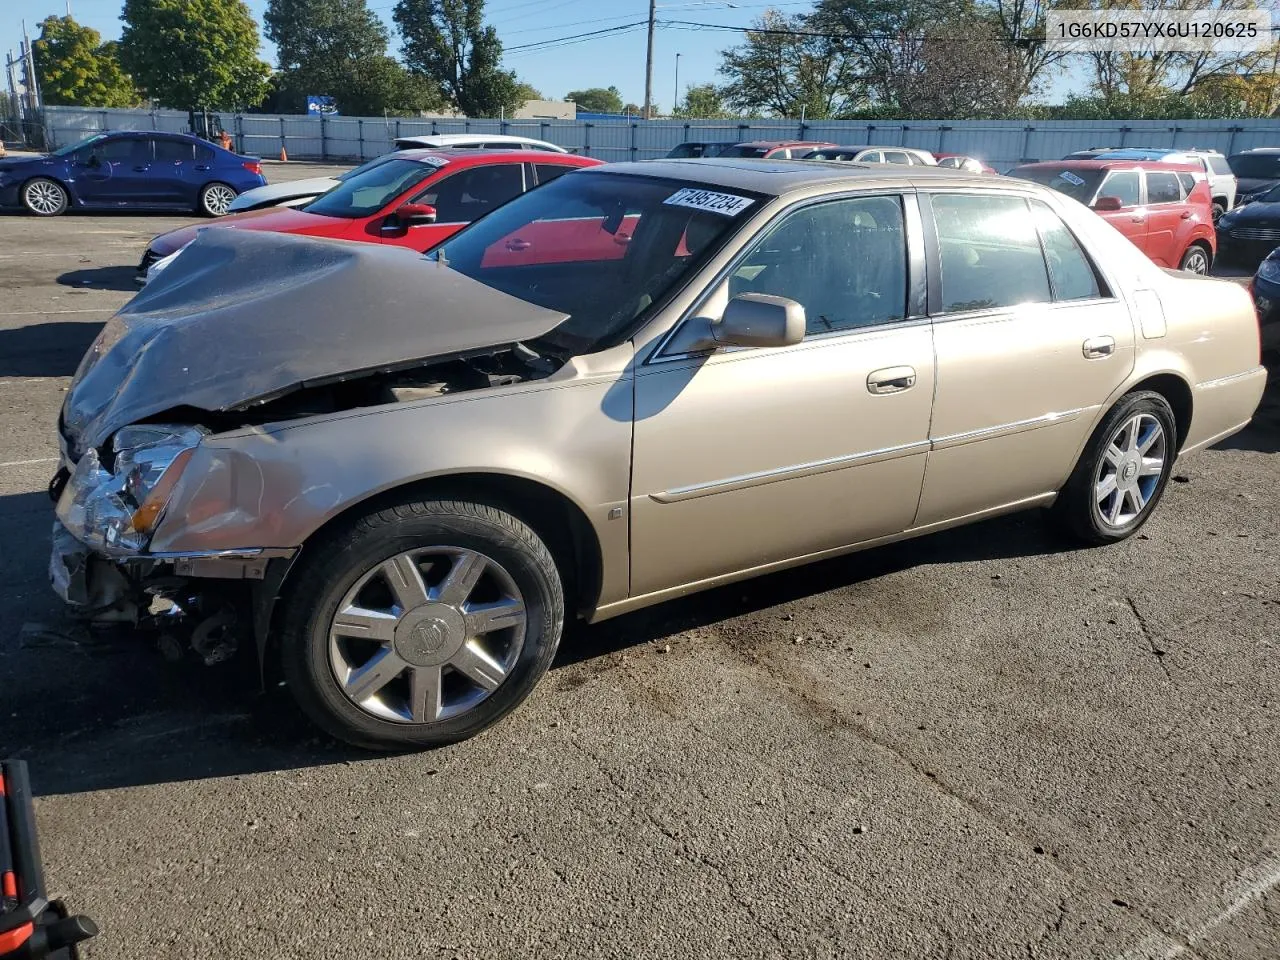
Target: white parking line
(31,313)
(1251,886)
(25,463)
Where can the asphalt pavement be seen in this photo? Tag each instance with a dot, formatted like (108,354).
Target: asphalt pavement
(979,744)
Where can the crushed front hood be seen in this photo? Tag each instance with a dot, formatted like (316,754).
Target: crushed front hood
(242,317)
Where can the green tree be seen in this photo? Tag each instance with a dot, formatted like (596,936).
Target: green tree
(785,69)
(76,68)
(597,99)
(338,48)
(447,43)
(193,53)
(702,102)
(527,91)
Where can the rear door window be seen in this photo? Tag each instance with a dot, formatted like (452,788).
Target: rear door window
(173,151)
(549,171)
(1070,272)
(872,156)
(1218,164)
(989,251)
(1188,181)
(896,156)
(1162,187)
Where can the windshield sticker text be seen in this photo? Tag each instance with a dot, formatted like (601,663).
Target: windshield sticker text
(725,204)
(1070,177)
(435,161)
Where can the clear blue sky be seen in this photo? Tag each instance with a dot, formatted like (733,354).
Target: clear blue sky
(596,62)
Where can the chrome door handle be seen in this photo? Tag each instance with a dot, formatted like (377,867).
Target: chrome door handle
(1097,347)
(891,380)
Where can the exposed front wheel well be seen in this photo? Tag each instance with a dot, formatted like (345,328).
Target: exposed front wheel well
(556,519)
(1178,393)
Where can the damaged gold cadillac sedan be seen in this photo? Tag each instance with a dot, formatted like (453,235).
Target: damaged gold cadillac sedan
(398,475)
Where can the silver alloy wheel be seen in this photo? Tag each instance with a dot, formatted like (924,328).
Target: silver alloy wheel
(1196,261)
(427,634)
(1130,470)
(217,198)
(44,197)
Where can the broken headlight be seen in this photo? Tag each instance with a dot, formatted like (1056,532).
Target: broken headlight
(115,511)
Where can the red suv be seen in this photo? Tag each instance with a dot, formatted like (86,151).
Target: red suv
(415,199)
(1166,209)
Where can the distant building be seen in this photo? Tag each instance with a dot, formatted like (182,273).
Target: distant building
(546,110)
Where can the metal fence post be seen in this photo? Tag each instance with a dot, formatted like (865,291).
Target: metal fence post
(902,135)
(153,121)
(633,140)
(1231,141)
(360,134)
(434,129)
(1124,132)
(397,128)
(1026,142)
(102,120)
(239,128)
(324,143)
(871,129)
(586,139)
(942,132)
(1173,135)
(282,135)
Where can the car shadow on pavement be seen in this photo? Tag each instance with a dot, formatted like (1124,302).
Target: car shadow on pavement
(102,278)
(95,710)
(45,349)
(1263,433)
(1017,535)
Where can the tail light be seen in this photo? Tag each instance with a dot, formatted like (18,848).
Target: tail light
(253,166)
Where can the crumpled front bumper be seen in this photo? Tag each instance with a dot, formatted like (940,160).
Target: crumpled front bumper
(91,585)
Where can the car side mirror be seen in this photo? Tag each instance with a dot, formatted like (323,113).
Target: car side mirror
(759,320)
(1108,204)
(416,214)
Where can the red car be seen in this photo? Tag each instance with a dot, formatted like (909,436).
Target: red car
(773,149)
(416,199)
(1166,209)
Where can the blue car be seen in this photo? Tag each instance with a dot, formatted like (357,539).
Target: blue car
(129,171)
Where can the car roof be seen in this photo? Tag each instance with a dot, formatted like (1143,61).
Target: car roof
(1140,153)
(780,177)
(1106,163)
(463,155)
(164,134)
(782,143)
(447,138)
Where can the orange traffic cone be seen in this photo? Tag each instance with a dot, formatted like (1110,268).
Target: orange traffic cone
(284,157)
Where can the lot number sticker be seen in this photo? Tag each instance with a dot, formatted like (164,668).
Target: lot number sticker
(1070,177)
(725,204)
(435,161)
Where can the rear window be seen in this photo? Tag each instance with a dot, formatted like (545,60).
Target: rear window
(744,150)
(1218,164)
(1076,184)
(174,151)
(1255,166)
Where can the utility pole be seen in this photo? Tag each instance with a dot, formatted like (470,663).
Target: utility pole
(33,85)
(675,99)
(648,64)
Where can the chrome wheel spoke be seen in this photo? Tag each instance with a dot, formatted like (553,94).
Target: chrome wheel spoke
(461,579)
(1117,504)
(405,580)
(1114,454)
(383,667)
(486,618)
(478,667)
(425,696)
(366,624)
(1106,487)
(1151,467)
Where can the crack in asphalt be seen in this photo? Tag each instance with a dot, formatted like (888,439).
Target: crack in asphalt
(1156,651)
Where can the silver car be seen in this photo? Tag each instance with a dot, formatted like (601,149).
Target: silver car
(398,476)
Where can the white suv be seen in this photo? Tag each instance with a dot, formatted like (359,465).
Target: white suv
(1222,182)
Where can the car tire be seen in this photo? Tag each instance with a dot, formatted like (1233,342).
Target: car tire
(441,672)
(1196,260)
(1115,460)
(44,197)
(215,198)
(1219,208)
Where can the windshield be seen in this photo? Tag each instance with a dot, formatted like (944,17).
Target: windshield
(743,150)
(1255,166)
(600,247)
(1271,196)
(1076,184)
(367,165)
(365,194)
(73,147)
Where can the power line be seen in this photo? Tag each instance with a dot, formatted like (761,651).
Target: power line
(576,36)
